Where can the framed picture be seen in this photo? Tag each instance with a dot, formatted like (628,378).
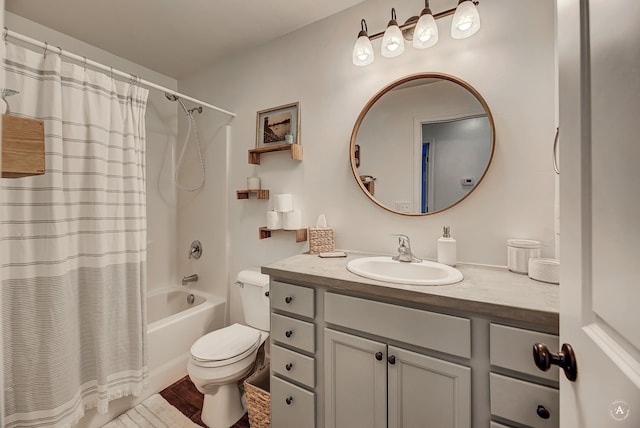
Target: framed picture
(279,125)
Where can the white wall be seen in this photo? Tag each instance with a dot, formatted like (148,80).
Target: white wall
(510,62)
(161,119)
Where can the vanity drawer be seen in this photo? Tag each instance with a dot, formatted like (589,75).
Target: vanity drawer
(518,401)
(292,298)
(296,333)
(497,425)
(291,406)
(511,348)
(429,330)
(293,366)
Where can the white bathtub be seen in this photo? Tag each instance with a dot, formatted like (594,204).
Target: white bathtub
(173,325)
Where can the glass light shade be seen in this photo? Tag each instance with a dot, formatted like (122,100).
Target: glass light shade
(362,52)
(466,20)
(425,34)
(392,42)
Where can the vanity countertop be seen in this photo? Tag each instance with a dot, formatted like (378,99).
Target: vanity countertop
(487,291)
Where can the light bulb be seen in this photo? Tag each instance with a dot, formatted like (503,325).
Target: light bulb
(363,50)
(425,33)
(466,20)
(392,41)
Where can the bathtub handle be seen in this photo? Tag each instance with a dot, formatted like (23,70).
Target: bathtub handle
(289,366)
(289,400)
(288,333)
(288,299)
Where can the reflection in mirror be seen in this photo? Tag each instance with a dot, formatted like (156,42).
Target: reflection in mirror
(422,144)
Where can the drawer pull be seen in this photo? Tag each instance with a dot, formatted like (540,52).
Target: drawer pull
(266,293)
(289,366)
(566,359)
(392,359)
(288,400)
(379,356)
(288,299)
(288,333)
(543,412)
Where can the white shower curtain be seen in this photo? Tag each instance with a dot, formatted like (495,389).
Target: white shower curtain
(74,245)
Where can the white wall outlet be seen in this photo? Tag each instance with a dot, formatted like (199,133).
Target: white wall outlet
(403,206)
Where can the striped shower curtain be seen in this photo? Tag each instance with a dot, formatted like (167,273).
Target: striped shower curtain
(74,245)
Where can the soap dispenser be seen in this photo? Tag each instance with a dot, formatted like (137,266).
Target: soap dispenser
(447,248)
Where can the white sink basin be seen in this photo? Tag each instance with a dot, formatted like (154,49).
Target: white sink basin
(388,270)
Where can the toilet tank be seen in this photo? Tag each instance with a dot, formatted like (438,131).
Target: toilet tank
(255,303)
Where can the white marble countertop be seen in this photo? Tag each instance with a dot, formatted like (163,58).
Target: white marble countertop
(487,291)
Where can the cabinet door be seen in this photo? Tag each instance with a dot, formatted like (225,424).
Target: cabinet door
(426,392)
(355,381)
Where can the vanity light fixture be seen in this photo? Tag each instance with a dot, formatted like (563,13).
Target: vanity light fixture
(363,50)
(392,41)
(422,30)
(466,20)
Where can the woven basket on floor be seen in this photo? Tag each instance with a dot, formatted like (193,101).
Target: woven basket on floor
(259,398)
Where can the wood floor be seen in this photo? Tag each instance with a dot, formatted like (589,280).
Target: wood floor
(184,396)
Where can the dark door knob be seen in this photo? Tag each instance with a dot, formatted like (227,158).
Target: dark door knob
(543,412)
(288,299)
(289,366)
(379,356)
(288,333)
(391,359)
(288,400)
(566,359)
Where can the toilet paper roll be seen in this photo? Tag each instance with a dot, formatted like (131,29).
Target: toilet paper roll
(253,183)
(274,220)
(292,220)
(283,202)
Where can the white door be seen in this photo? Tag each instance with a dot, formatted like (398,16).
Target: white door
(599,81)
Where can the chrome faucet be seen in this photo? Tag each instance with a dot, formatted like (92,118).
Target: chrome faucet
(191,278)
(404,250)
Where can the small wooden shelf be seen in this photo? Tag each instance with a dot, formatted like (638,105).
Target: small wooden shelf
(244,194)
(296,152)
(301,234)
(22,147)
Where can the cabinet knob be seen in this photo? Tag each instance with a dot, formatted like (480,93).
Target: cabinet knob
(288,299)
(392,359)
(566,359)
(266,293)
(288,333)
(288,400)
(289,366)
(379,356)
(543,412)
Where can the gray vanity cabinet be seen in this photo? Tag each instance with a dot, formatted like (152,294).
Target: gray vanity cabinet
(371,383)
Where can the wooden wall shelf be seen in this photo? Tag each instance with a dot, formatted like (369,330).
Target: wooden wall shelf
(22,147)
(301,234)
(296,152)
(244,194)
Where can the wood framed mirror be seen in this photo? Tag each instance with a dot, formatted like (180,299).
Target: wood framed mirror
(422,144)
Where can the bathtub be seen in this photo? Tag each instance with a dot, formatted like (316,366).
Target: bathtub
(173,325)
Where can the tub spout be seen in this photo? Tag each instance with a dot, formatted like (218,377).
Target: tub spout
(191,278)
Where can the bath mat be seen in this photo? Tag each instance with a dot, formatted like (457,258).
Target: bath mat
(154,412)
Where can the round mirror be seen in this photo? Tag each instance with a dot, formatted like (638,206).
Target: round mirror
(422,144)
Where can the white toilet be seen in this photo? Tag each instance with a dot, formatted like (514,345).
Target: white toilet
(223,357)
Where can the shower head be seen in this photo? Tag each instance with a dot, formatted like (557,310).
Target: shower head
(171,97)
(188,112)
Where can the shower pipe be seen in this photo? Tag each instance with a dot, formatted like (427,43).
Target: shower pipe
(84,61)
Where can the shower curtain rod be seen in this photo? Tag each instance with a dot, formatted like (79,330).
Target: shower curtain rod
(84,61)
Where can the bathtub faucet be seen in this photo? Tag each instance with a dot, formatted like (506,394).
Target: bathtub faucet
(191,278)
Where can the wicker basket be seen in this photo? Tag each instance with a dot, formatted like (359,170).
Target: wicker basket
(259,398)
(321,240)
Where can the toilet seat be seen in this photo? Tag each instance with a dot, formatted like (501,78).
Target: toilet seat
(225,346)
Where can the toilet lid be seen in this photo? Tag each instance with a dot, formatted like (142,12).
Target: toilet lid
(234,341)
